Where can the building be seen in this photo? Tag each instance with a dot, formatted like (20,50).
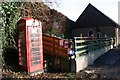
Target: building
(93,21)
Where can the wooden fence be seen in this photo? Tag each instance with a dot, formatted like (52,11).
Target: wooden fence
(54,46)
(55,54)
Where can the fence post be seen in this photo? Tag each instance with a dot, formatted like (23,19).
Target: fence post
(93,42)
(81,38)
(112,41)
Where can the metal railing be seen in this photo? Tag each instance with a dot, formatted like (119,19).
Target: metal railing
(83,45)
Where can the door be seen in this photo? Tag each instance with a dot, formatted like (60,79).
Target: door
(35,52)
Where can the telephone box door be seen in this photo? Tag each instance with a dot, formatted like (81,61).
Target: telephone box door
(35,48)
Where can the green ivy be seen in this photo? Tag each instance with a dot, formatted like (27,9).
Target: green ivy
(10,15)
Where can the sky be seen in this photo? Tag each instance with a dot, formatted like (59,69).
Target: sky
(73,8)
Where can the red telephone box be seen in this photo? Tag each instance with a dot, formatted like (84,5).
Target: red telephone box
(30,49)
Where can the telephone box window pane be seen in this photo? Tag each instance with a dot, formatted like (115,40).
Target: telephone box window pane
(36,54)
(37,40)
(35,63)
(35,58)
(31,35)
(35,31)
(35,45)
(20,35)
(22,61)
(34,49)
(34,40)
(38,31)
(34,35)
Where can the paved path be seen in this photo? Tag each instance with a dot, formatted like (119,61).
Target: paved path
(107,65)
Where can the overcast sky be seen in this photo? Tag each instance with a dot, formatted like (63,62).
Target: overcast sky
(73,8)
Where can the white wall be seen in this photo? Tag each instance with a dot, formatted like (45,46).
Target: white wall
(85,60)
